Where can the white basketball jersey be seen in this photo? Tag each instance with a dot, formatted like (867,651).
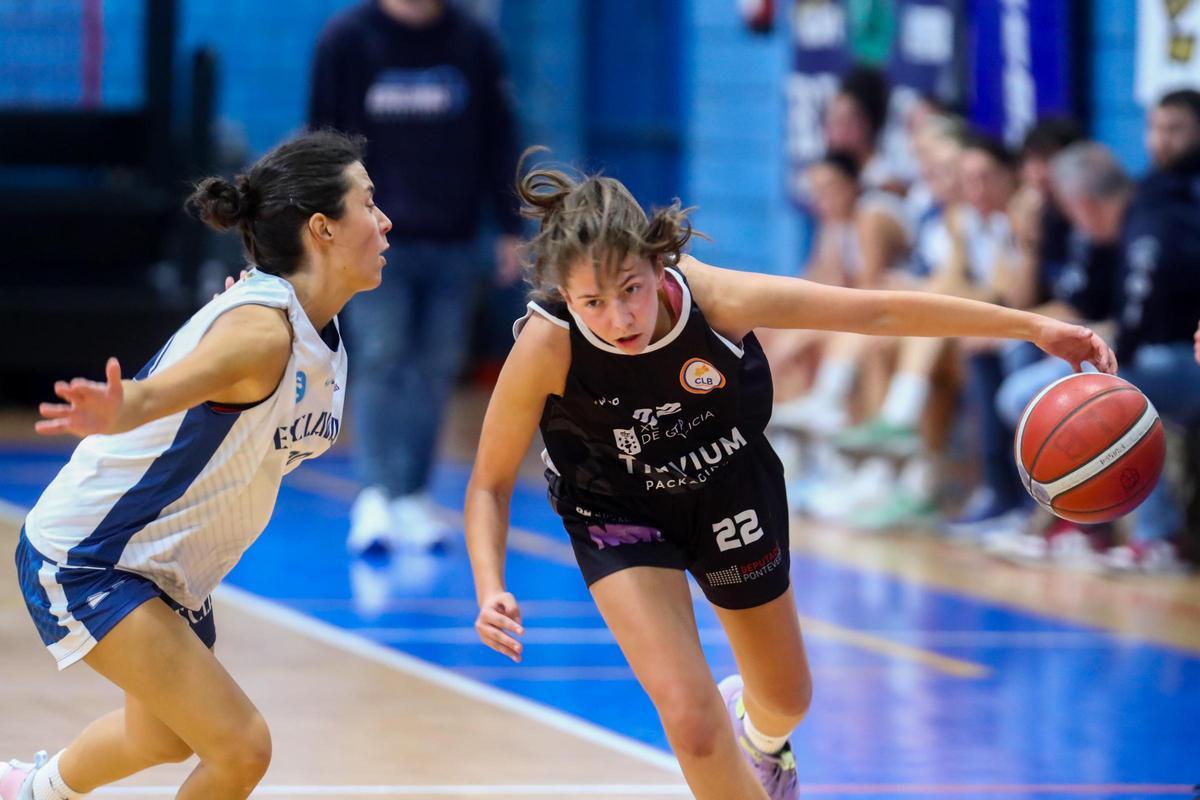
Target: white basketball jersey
(178,500)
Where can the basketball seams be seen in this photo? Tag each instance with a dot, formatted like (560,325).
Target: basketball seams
(1049,437)
(1141,494)
(1091,469)
(1026,477)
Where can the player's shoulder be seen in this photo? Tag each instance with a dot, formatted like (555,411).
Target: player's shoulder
(544,331)
(255,327)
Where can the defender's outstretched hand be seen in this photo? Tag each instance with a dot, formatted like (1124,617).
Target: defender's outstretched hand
(1076,344)
(90,407)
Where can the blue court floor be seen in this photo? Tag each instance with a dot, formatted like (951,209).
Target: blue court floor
(918,692)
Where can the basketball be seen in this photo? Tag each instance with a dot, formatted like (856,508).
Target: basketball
(1090,447)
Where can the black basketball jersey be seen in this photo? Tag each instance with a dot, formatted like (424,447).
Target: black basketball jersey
(662,421)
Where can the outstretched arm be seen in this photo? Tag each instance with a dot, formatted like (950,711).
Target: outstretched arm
(536,368)
(738,302)
(241,359)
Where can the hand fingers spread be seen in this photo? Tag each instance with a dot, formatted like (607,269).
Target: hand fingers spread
(54,410)
(50,426)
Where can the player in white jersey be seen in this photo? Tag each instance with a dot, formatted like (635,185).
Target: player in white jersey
(179,471)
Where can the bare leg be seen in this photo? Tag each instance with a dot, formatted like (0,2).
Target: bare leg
(119,744)
(156,659)
(649,610)
(769,649)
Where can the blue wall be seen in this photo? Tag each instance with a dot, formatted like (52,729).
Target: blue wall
(731,95)
(734,158)
(1117,119)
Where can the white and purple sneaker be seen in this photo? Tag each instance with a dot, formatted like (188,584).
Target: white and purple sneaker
(16,777)
(776,771)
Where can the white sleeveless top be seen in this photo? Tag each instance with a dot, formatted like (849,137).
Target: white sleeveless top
(178,500)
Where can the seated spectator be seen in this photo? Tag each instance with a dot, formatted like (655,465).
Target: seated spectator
(1041,237)
(976,266)
(1173,129)
(836,260)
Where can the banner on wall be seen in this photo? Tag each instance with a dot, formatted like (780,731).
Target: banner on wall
(914,41)
(1021,71)
(1168,47)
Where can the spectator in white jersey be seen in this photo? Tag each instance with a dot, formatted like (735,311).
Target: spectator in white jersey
(178,473)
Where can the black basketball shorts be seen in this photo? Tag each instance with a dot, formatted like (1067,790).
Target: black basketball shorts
(731,533)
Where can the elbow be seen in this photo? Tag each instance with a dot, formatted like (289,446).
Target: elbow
(483,489)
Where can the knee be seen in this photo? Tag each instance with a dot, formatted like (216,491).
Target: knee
(164,751)
(245,755)
(791,700)
(694,722)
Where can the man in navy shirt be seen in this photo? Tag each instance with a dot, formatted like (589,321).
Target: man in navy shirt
(425,83)
(1140,269)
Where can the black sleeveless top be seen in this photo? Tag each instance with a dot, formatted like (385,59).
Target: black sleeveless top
(663,421)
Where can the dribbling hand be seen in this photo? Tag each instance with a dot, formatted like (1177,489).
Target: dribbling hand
(499,615)
(1076,344)
(90,407)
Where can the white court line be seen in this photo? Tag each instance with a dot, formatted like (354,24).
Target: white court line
(440,790)
(343,640)
(672,790)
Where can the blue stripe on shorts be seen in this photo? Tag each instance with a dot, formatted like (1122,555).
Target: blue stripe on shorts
(75,607)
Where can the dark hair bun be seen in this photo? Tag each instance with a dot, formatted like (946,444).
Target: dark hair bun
(219,203)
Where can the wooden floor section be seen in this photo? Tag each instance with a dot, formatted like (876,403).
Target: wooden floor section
(336,718)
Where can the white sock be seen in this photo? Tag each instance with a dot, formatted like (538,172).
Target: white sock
(49,785)
(765,744)
(905,400)
(835,379)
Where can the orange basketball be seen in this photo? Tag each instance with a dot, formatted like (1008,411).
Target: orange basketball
(1090,447)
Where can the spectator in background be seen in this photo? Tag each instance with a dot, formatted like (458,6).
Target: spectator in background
(1041,239)
(854,122)
(426,84)
(1155,292)
(1173,128)
(1041,231)
(977,264)
(855,119)
(825,410)
(835,260)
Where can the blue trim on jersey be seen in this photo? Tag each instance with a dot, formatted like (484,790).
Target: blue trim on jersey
(198,437)
(152,364)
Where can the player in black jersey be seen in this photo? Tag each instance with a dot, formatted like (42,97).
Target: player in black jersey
(641,368)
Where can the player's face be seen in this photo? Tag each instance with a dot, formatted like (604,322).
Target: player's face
(361,233)
(622,307)
(1171,132)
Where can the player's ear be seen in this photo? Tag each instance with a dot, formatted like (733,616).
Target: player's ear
(319,227)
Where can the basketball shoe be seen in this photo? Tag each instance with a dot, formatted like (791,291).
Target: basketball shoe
(775,771)
(16,777)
